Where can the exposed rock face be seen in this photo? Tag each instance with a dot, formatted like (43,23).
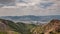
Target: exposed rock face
(3,26)
(52,26)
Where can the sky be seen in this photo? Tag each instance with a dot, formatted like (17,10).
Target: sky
(29,7)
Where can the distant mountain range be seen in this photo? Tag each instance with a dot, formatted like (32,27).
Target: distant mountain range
(31,18)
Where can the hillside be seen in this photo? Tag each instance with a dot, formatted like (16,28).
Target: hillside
(52,26)
(6,29)
(16,27)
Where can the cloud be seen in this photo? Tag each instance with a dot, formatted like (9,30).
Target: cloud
(27,2)
(30,10)
(40,3)
(46,4)
(34,8)
(9,7)
(32,1)
(24,4)
(7,3)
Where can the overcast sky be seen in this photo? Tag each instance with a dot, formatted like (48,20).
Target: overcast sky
(29,7)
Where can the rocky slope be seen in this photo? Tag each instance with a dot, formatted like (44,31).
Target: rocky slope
(52,26)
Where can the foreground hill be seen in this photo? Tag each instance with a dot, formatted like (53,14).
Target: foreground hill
(6,29)
(53,26)
(16,27)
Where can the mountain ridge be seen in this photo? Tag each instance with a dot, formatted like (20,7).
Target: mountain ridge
(31,18)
